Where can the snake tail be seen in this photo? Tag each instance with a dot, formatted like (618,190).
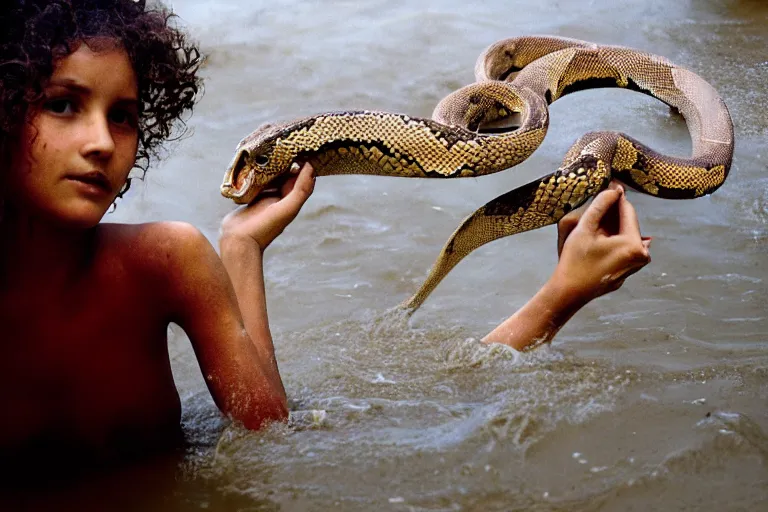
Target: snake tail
(537,204)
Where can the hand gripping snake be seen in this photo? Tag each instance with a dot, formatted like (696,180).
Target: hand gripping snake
(516,80)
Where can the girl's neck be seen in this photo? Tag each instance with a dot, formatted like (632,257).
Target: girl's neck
(33,250)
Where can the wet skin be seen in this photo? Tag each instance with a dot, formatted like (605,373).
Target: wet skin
(85,307)
(76,363)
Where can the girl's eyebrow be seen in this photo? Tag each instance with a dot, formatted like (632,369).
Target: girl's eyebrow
(68,83)
(75,86)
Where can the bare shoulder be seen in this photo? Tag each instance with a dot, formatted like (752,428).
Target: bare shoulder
(153,243)
(165,251)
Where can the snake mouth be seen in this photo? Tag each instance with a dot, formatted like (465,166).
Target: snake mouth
(506,125)
(242,194)
(239,184)
(239,174)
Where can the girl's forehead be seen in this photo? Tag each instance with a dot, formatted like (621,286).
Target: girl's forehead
(98,65)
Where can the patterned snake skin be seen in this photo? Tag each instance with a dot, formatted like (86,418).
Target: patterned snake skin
(470,135)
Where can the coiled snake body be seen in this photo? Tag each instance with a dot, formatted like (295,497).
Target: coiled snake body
(450,144)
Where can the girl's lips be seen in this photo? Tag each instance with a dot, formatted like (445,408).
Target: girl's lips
(95,178)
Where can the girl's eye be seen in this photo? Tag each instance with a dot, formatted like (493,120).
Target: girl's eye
(60,106)
(121,116)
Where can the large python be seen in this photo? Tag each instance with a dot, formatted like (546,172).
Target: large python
(469,135)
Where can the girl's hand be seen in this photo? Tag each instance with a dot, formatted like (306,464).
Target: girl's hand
(600,247)
(272,210)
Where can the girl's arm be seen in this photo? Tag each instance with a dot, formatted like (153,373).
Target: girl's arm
(220,303)
(245,234)
(597,253)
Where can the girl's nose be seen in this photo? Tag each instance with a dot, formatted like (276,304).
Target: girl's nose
(98,141)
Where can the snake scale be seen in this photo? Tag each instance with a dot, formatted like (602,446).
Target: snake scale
(498,122)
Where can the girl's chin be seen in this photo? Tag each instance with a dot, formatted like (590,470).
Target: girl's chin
(81,215)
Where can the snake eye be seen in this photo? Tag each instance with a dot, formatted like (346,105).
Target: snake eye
(261,160)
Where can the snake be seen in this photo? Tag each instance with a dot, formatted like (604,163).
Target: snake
(496,123)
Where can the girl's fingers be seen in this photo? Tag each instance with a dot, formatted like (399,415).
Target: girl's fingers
(628,223)
(303,185)
(565,227)
(295,191)
(600,207)
(287,186)
(647,244)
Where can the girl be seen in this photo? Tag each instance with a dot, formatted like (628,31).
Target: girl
(89,90)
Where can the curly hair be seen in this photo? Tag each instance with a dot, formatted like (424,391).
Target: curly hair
(35,34)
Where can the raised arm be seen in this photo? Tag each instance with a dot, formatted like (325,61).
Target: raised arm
(220,303)
(598,250)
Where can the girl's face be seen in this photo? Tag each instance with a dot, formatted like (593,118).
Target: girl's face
(79,143)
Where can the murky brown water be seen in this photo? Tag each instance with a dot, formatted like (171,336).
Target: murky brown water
(654,398)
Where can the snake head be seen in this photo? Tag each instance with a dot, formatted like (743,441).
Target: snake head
(259,158)
(497,62)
